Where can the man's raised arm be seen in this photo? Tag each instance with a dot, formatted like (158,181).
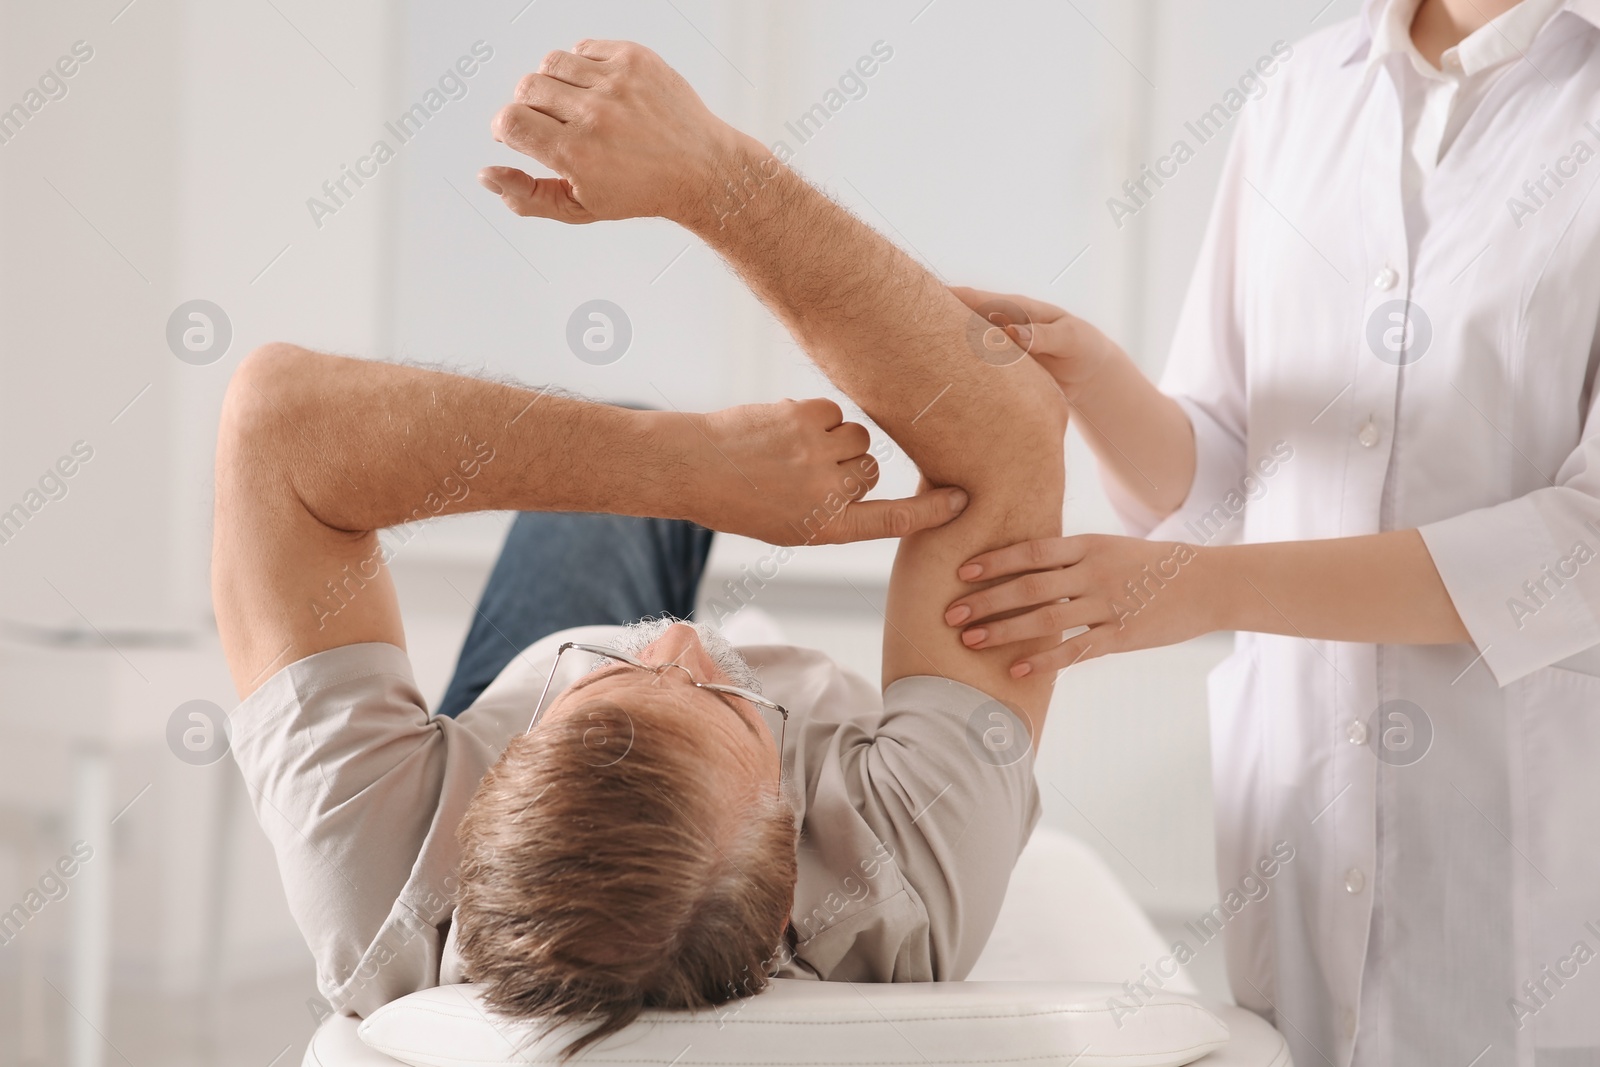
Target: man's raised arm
(316,453)
(630,138)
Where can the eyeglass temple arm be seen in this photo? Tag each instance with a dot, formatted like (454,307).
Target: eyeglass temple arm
(539,704)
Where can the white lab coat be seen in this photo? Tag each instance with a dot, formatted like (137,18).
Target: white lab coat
(1441,910)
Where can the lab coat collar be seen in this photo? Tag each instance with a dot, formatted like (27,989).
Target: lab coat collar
(1372,12)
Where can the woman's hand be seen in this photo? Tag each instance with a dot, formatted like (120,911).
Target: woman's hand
(1072,350)
(1140,436)
(790,473)
(1129,592)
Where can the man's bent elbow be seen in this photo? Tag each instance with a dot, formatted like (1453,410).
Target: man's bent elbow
(257,405)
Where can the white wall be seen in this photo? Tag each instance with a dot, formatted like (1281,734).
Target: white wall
(175,167)
(87,203)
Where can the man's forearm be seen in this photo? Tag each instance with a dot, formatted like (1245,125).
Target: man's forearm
(903,347)
(364,445)
(882,328)
(367,445)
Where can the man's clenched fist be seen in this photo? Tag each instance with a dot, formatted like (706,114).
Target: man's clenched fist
(627,135)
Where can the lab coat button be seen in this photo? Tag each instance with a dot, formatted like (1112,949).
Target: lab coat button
(1354,880)
(1349,1025)
(1387,279)
(1356,732)
(1368,435)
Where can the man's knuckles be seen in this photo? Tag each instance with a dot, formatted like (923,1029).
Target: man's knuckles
(821,410)
(560,64)
(513,126)
(527,88)
(631,56)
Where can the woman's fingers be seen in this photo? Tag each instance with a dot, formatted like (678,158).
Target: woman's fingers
(1025,556)
(1029,591)
(1052,620)
(1036,310)
(1091,644)
(1057,339)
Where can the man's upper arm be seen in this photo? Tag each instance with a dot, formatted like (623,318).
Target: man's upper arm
(992,423)
(1012,501)
(284,585)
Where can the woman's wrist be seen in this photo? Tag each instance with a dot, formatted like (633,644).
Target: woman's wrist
(1112,376)
(1223,583)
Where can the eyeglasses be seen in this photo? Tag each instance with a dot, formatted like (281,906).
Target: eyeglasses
(622,657)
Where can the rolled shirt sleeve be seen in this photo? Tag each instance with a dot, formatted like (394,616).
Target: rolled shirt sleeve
(913,823)
(1205,371)
(359,792)
(1219,470)
(1525,575)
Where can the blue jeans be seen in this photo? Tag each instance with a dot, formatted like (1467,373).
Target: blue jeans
(561,570)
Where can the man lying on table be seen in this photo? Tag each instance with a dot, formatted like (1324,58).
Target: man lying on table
(683,819)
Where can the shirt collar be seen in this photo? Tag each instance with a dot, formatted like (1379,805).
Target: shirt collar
(1385,29)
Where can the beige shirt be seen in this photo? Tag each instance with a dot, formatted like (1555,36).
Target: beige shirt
(913,806)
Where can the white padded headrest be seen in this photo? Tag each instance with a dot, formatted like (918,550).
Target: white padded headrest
(818,1024)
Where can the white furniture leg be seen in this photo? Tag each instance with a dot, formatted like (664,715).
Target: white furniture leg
(89,980)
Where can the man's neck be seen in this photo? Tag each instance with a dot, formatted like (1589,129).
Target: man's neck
(1440,25)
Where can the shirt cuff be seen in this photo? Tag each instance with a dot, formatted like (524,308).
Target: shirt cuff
(994,733)
(1524,590)
(287,694)
(1214,509)
(302,716)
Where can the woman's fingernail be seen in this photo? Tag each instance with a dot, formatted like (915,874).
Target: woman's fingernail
(958,501)
(974,638)
(969,572)
(492,185)
(1024,335)
(958,615)
(1021,670)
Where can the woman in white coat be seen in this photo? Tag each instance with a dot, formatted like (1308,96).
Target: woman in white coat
(1375,453)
